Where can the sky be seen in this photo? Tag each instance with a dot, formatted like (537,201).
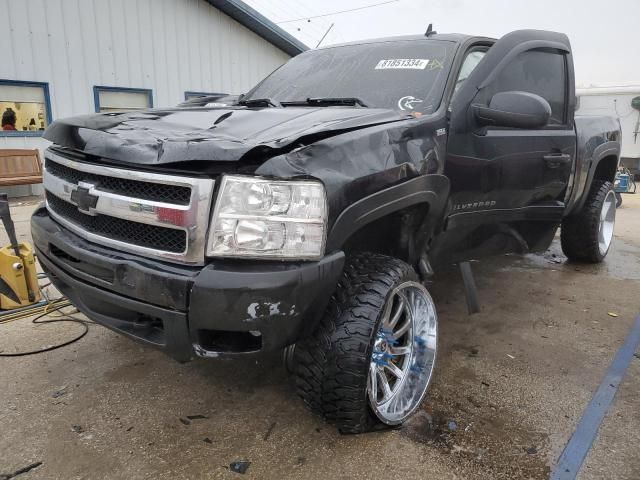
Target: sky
(605,34)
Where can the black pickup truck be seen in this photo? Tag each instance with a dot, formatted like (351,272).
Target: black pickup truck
(309,214)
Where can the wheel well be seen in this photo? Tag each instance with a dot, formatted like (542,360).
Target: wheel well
(606,169)
(393,235)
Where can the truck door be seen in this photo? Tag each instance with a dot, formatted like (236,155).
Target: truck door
(498,172)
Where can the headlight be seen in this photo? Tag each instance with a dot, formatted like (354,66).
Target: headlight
(260,218)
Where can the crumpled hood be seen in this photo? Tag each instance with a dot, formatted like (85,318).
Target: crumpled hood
(155,137)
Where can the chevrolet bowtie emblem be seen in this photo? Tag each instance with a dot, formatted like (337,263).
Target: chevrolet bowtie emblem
(83,199)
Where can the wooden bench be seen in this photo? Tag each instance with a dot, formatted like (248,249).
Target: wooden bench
(20,167)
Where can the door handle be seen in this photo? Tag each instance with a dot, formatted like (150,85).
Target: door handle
(555,160)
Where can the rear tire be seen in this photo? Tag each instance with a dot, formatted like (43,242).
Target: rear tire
(587,235)
(360,370)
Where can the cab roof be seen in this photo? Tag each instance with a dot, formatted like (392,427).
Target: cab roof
(443,37)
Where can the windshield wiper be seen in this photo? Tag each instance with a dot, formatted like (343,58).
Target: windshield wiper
(259,102)
(328,101)
(353,101)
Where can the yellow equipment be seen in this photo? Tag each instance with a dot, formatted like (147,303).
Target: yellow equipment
(18,275)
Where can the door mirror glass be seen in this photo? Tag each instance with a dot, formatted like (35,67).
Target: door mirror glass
(514,110)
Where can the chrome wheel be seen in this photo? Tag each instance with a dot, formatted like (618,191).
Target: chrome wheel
(404,353)
(607,222)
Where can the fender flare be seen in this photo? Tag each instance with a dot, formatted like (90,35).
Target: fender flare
(430,189)
(607,149)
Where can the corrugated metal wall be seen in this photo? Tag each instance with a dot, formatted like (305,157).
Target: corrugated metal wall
(169,46)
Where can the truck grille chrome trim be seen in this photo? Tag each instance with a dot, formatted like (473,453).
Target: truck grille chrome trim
(124,186)
(140,234)
(92,201)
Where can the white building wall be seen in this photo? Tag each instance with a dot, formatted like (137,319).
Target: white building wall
(169,46)
(615,102)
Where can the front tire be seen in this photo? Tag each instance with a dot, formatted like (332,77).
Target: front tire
(587,235)
(370,361)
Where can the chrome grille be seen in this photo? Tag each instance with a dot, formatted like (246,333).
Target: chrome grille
(132,188)
(149,236)
(154,215)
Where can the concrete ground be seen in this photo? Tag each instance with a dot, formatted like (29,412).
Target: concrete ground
(514,380)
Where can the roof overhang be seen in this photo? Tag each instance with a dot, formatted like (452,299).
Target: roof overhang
(259,24)
(609,90)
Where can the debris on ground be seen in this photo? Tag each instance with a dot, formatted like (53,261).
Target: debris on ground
(612,314)
(452,426)
(60,392)
(77,428)
(184,421)
(239,466)
(532,450)
(269,431)
(207,440)
(511,357)
(197,417)
(555,260)
(474,352)
(20,471)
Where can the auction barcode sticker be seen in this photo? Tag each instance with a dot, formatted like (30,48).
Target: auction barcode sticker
(408,63)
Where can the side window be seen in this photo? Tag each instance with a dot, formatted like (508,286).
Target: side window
(469,63)
(540,72)
(117,99)
(24,107)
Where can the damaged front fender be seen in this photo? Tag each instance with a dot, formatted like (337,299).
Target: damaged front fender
(432,191)
(371,173)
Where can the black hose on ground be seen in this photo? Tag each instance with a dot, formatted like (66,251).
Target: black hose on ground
(38,321)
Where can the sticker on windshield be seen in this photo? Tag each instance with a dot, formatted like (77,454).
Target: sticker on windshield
(407,103)
(404,63)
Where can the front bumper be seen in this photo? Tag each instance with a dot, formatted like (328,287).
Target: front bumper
(221,308)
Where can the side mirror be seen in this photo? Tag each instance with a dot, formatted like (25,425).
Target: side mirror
(515,110)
